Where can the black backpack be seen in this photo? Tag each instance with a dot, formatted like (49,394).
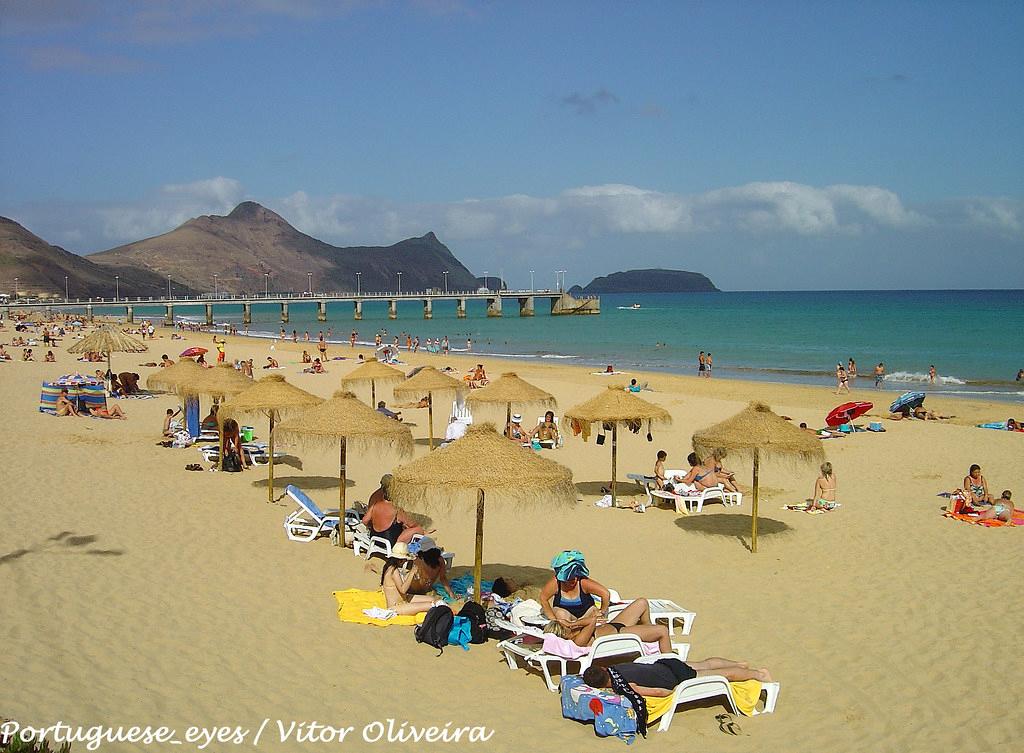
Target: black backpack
(435,627)
(477,621)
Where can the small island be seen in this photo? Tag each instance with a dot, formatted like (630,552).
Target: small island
(648,281)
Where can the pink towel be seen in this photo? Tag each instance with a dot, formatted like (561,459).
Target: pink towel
(566,649)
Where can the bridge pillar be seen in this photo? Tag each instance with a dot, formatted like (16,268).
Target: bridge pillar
(393,309)
(428,308)
(284,313)
(358,310)
(246,313)
(130,314)
(526,306)
(209,313)
(169,315)
(460,308)
(494,306)
(88,312)
(321,311)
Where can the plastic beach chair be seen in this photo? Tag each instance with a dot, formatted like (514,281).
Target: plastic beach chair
(308,521)
(661,610)
(709,686)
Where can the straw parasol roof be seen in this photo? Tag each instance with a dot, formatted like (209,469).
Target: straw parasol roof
(429,380)
(616,405)
(108,340)
(167,378)
(220,381)
(271,395)
(344,415)
(757,428)
(757,432)
(344,419)
(482,462)
(372,371)
(511,388)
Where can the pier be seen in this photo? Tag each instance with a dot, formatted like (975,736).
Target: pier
(521,301)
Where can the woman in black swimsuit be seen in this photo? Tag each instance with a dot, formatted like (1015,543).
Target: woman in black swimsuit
(568,601)
(386,521)
(408,588)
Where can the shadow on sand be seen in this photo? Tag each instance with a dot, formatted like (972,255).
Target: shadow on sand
(65,542)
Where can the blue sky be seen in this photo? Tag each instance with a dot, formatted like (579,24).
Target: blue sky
(770,145)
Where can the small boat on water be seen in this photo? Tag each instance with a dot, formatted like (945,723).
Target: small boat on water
(634,307)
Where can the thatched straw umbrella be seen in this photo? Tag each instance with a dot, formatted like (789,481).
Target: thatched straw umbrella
(344,419)
(617,406)
(429,380)
(220,381)
(481,461)
(270,396)
(757,431)
(108,340)
(184,370)
(373,371)
(511,388)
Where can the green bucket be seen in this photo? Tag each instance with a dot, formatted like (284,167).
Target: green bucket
(247,433)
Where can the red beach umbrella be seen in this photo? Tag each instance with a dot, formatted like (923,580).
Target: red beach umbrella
(192,352)
(847,412)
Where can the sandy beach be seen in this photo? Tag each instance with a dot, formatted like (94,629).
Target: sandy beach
(136,593)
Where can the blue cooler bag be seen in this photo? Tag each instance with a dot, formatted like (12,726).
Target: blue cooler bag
(612,714)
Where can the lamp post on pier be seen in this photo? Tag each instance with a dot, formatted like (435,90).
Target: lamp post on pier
(216,286)
(117,287)
(168,286)
(445,282)
(399,283)
(359,284)
(266,284)
(487,282)
(309,282)
(66,289)
(532,289)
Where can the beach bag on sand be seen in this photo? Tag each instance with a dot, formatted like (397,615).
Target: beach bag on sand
(435,627)
(460,635)
(612,714)
(231,463)
(477,619)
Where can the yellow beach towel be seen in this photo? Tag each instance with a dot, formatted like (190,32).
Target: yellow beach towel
(352,602)
(746,695)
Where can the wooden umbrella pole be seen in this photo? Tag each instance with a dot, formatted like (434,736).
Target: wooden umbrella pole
(615,443)
(341,496)
(373,394)
(270,464)
(508,415)
(430,419)
(753,526)
(478,561)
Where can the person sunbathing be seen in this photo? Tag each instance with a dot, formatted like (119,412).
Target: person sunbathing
(658,679)
(49,357)
(210,422)
(700,477)
(385,520)
(271,363)
(725,477)
(382,408)
(546,430)
(1001,509)
(305,357)
(976,487)
(477,377)
(824,496)
(4,355)
(515,430)
(568,601)
(113,411)
(170,425)
(316,368)
(410,591)
(64,406)
(165,361)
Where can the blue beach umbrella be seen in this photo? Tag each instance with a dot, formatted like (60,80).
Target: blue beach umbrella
(908,400)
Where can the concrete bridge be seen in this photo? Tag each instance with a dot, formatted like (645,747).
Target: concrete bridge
(561,303)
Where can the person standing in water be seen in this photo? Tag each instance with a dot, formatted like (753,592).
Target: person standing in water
(879,374)
(931,374)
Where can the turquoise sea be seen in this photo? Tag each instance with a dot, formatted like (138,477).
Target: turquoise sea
(975,339)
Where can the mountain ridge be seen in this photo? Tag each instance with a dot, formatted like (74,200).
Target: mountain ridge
(648,281)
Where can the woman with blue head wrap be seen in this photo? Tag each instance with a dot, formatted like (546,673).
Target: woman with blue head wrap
(570,602)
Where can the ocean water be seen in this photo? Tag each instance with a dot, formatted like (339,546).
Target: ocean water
(975,339)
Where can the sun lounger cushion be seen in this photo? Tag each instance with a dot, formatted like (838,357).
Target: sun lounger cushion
(352,602)
(611,713)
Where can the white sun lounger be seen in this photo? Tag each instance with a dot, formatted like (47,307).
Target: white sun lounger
(661,610)
(709,686)
(365,546)
(527,648)
(308,521)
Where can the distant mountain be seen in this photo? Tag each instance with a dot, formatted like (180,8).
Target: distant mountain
(252,241)
(648,281)
(40,269)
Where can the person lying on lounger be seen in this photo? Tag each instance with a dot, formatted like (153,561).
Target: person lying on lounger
(568,601)
(385,520)
(660,678)
(407,588)
(546,430)
(700,476)
(725,477)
